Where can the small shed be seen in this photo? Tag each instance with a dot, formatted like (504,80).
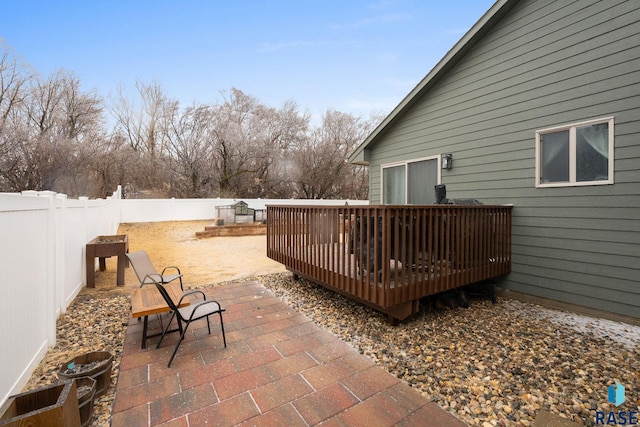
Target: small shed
(237,213)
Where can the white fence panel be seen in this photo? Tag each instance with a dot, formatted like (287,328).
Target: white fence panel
(26,289)
(156,210)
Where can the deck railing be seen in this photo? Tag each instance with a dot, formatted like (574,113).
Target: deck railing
(391,256)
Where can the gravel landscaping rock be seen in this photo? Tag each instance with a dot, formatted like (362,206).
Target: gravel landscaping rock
(490,364)
(95,321)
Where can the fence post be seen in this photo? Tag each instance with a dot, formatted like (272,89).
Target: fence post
(85,219)
(60,251)
(116,209)
(52,300)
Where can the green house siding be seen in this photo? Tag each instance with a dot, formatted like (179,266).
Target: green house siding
(542,64)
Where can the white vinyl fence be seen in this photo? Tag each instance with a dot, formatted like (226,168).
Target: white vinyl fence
(156,210)
(42,269)
(42,261)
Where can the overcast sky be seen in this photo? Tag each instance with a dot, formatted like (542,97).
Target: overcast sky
(349,55)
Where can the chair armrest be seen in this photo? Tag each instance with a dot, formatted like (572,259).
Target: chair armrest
(195,309)
(195,291)
(171,266)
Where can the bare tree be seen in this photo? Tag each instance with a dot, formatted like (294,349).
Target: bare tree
(34,136)
(252,144)
(82,137)
(115,163)
(46,128)
(64,125)
(233,142)
(274,132)
(139,120)
(321,160)
(189,138)
(14,78)
(141,123)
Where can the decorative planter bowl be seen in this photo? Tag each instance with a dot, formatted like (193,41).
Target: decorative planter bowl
(96,365)
(86,391)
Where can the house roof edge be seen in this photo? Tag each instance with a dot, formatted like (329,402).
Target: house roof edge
(486,21)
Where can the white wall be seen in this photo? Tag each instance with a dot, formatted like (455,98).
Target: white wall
(42,261)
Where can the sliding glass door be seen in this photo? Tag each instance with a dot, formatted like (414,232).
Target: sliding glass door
(411,182)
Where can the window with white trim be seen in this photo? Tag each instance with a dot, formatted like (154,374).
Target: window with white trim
(411,182)
(575,154)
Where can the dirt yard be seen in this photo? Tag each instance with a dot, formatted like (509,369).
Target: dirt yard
(202,261)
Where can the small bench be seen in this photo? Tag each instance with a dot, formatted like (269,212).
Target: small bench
(146,300)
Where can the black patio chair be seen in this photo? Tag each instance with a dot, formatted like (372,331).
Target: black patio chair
(196,310)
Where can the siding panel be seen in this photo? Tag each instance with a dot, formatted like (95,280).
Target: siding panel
(563,291)
(591,274)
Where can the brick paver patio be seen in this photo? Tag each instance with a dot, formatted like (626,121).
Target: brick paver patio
(279,368)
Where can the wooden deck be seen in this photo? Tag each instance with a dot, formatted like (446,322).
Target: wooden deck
(390,257)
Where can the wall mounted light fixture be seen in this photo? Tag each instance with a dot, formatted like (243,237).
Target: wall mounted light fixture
(447,161)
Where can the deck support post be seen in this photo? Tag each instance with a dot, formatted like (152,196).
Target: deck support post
(402,311)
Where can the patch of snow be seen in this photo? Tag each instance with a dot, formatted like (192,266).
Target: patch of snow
(623,333)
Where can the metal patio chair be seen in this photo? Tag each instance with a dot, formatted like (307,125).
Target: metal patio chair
(190,313)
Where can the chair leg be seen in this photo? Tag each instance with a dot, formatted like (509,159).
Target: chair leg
(175,349)
(159,317)
(164,332)
(224,339)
